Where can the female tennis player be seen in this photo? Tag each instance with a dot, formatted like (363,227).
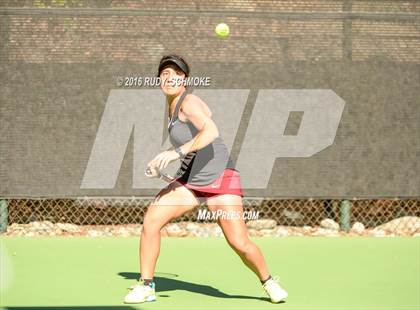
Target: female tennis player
(207,172)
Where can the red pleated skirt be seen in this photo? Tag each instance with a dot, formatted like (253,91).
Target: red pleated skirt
(229,182)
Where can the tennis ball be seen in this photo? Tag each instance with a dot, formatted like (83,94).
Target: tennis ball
(222,30)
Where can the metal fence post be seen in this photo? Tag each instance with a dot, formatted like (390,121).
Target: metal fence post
(345,209)
(3,216)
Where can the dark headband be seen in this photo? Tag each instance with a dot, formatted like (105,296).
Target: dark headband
(174,61)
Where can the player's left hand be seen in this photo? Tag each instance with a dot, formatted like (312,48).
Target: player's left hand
(163,159)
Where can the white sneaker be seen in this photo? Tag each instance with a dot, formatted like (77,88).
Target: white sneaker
(274,290)
(140,293)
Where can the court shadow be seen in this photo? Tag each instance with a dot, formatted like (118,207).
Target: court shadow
(164,284)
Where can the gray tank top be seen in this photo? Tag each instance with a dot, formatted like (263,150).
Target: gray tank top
(203,166)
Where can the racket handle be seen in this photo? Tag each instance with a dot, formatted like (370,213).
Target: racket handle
(166,177)
(163,176)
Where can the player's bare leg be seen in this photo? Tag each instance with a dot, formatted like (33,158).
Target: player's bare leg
(171,202)
(236,234)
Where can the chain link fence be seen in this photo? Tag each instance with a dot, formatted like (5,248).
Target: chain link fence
(287,212)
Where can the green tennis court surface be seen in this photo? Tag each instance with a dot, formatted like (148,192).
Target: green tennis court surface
(204,273)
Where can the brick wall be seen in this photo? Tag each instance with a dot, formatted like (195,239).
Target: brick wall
(92,35)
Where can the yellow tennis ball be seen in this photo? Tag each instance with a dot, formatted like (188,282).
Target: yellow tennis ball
(222,30)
